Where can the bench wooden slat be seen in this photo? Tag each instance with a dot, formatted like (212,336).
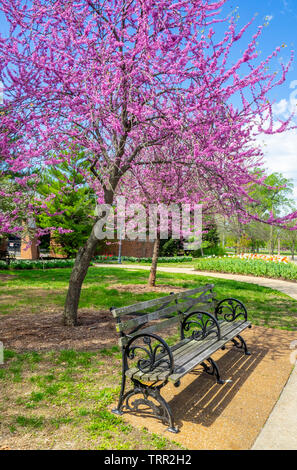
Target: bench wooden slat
(146,318)
(158,326)
(185,346)
(185,368)
(151,329)
(116,312)
(184,350)
(190,354)
(186,355)
(228,330)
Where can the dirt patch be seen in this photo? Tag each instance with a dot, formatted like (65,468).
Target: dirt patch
(142,288)
(6,277)
(42,332)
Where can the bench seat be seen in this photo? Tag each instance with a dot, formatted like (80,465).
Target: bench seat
(189,353)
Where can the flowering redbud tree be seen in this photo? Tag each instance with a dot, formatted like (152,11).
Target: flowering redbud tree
(168,192)
(119,77)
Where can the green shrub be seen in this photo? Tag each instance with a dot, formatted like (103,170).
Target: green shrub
(38,264)
(210,251)
(170,247)
(3,265)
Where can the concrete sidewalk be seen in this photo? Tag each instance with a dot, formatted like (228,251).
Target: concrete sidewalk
(280,429)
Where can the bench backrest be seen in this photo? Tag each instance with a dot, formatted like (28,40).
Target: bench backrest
(164,311)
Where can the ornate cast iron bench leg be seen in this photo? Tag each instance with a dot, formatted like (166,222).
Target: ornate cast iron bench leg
(118,409)
(241,345)
(160,411)
(213,369)
(155,352)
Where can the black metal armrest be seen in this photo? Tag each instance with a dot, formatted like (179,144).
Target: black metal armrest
(154,350)
(202,325)
(231,309)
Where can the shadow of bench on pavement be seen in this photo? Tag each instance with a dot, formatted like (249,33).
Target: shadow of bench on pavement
(203,400)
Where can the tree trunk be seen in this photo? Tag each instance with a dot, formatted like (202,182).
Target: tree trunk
(153,271)
(79,272)
(271,241)
(278,246)
(293,250)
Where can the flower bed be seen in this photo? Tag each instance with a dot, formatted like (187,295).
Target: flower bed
(249,266)
(256,256)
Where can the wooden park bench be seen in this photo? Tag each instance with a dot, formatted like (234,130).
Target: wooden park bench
(150,363)
(6,256)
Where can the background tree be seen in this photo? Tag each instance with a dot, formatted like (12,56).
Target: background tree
(289,240)
(70,205)
(274,198)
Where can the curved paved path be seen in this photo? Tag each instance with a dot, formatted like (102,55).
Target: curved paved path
(289,288)
(280,430)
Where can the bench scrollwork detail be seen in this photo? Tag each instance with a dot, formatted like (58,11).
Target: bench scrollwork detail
(231,310)
(152,351)
(200,325)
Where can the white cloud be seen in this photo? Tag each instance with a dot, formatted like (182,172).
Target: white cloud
(280,150)
(293,84)
(284,108)
(281,107)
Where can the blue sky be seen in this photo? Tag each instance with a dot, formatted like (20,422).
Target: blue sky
(280,150)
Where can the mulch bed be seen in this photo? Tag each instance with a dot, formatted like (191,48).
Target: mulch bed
(44,332)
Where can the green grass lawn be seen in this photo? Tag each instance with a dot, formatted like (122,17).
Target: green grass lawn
(30,290)
(61,399)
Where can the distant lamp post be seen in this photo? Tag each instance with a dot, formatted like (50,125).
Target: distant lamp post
(120,247)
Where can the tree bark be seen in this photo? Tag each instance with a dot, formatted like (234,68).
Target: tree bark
(271,241)
(79,272)
(293,250)
(153,271)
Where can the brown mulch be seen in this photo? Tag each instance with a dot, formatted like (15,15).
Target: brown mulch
(6,277)
(142,288)
(44,332)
